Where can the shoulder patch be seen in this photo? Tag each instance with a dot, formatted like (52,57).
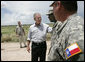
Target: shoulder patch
(72,50)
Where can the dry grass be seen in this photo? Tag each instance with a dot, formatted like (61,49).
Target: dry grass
(6,38)
(9,35)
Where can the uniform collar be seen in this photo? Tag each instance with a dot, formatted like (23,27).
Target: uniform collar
(66,21)
(55,24)
(71,16)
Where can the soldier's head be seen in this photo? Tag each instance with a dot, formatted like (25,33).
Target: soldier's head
(51,17)
(62,9)
(37,18)
(19,23)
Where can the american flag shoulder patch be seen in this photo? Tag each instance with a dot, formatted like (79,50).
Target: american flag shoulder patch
(72,50)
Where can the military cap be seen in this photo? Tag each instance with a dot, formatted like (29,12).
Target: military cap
(52,4)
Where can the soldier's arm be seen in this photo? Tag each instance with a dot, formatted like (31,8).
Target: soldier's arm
(24,31)
(76,34)
(16,31)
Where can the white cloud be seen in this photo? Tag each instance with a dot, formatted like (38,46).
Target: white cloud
(3,4)
(28,7)
(24,10)
(8,19)
(81,8)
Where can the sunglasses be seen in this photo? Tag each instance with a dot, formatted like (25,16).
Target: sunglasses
(39,18)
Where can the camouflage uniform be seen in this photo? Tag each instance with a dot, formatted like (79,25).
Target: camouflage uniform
(20,32)
(72,30)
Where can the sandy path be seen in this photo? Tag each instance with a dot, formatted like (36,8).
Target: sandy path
(12,52)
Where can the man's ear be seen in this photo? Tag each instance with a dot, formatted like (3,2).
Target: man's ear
(34,18)
(59,4)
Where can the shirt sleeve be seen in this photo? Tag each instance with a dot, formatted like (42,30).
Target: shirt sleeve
(29,34)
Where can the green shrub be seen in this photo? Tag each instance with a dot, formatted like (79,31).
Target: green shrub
(6,38)
(9,35)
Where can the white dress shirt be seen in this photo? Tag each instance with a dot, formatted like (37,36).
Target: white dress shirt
(38,33)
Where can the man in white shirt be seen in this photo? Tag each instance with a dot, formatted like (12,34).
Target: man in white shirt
(37,35)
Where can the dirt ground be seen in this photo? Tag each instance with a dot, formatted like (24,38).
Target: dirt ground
(13,52)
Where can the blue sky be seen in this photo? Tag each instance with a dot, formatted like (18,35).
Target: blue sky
(13,11)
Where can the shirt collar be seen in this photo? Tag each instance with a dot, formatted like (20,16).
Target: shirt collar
(39,25)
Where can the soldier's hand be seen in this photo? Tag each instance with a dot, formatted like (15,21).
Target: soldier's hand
(28,49)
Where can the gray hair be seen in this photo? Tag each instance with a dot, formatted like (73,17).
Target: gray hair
(35,14)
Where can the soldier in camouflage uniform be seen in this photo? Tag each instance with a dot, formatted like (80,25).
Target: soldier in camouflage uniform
(20,33)
(51,16)
(70,31)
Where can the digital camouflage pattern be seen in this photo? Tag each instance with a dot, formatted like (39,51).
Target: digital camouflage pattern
(65,34)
